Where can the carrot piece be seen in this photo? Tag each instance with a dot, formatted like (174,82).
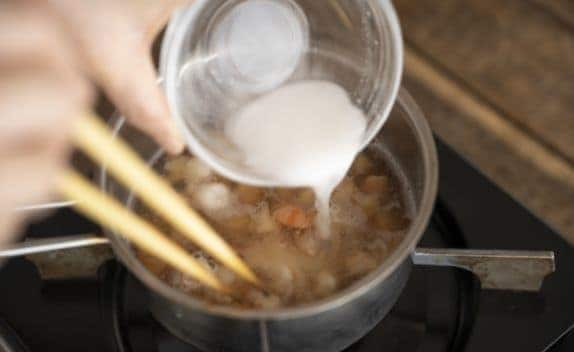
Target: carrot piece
(292,216)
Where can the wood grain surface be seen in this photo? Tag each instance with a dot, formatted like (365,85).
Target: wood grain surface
(496,80)
(562,9)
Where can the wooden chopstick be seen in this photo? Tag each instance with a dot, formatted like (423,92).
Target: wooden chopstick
(106,210)
(92,136)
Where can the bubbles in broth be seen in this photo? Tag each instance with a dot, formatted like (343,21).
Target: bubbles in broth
(274,231)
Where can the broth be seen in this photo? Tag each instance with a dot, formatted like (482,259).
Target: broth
(274,231)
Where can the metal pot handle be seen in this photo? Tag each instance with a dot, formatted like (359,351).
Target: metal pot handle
(496,269)
(51,244)
(46,206)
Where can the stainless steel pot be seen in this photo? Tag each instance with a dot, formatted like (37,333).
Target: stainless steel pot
(335,322)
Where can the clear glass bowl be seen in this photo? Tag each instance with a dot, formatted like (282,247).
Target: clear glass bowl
(218,55)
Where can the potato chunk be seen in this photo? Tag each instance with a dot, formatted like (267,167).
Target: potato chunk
(359,263)
(213,196)
(325,284)
(363,165)
(392,219)
(374,184)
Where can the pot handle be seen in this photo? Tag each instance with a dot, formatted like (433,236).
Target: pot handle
(46,206)
(51,244)
(496,269)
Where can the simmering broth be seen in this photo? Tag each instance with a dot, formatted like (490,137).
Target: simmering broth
(274,231)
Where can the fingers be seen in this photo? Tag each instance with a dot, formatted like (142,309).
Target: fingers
(36,112)
(35,118)
(116,53)
(28,38)
(9,226)
(129,80)
(153,15)
(41,92)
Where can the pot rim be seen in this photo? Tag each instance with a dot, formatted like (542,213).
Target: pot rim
(400,254)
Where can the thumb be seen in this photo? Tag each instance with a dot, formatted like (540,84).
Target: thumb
(127,75)
(116,55)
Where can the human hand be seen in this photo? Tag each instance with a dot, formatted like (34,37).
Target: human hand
(113,41)
(50,55)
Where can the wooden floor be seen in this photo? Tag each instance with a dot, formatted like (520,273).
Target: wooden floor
(496,81)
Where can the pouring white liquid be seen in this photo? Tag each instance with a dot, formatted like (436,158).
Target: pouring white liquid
(304,134)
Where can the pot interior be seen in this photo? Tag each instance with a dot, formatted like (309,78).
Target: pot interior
(408,146)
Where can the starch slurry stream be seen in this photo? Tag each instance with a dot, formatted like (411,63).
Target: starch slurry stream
(304,134)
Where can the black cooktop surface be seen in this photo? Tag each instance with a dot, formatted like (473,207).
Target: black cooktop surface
(439,310)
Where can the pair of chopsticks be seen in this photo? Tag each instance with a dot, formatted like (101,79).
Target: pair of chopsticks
(93,138)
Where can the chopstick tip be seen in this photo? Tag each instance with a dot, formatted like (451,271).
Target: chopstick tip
(250,276)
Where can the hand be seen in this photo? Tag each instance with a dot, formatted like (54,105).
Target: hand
(51,52)
(113,40)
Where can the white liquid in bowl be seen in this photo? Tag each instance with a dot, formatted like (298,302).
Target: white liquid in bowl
(304,134)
